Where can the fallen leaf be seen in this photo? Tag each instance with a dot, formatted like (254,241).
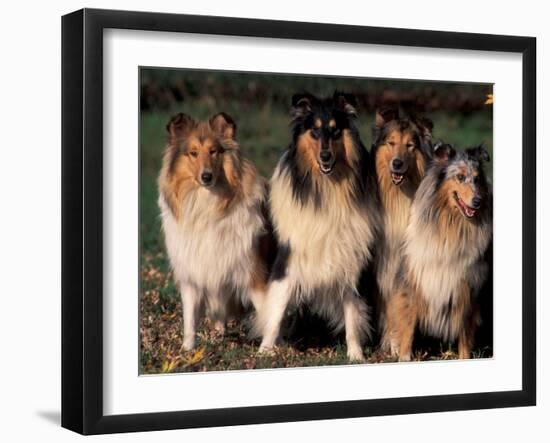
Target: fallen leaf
(167,366)
(194,357)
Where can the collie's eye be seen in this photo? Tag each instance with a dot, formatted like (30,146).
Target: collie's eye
(410,146)
(336,133)
(314,133)
(213,151)
(475,180)
(461,178)
(392,144)
(193,153)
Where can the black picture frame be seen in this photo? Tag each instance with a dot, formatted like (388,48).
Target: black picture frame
(82,220)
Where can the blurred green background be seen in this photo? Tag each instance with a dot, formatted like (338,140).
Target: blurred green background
(259,103)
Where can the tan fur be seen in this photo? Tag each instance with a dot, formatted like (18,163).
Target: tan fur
(408,309)
(451,187)
(349,149)
(213,234)
(443,269)
(309,148)
(396,202)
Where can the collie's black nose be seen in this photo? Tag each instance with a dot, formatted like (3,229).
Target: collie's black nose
(476,202)
(397,163)
(206,177)
(325,156)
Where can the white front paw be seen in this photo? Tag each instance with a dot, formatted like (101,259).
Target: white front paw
(394,348)
(266,349)
(356,355)
(219,327)
(405,357)
(188,343)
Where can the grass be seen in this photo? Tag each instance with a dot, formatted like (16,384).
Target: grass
(161,338)
(263,134)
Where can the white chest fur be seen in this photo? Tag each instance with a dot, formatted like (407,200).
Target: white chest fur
(440,266)
(389,255)
(329,244)
(210,249)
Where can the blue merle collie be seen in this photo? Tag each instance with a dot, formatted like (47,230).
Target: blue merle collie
(444,263)
(324,219)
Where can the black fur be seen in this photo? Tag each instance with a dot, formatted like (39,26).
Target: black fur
(302,186)
(306,109)
(278,271)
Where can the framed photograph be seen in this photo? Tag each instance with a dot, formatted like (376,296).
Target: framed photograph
(269,221)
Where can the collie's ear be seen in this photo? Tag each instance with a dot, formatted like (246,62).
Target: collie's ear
(345,102)
(301,104)
(479,153)
(483,154)
(385,115)
(443,152)
(223,125)
(426,126)
(179,126)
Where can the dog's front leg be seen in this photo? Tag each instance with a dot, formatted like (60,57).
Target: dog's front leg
(190,298)
(271,314)
(407,325)
(469,319)
(354,319)
(466,335)
(465,344)
(257,296)
(217,305)
(390,335)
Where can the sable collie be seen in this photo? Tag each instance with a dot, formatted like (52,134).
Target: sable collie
(324,221)
(211,206)
(443,265)
(401,150)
